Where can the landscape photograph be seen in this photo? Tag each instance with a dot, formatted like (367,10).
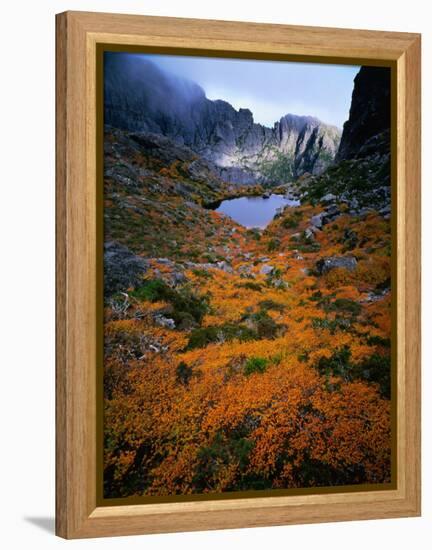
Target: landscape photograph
(247,261)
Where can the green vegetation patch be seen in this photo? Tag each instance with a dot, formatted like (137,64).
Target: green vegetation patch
(186,304)
(341,305)
(374,369)
(202,337)
(214,457)
(255,365)
(273,244)
(263,325)
(250,285)
(269,304)
(291,221)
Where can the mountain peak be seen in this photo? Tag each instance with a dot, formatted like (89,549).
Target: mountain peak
(140,96)
(299,120)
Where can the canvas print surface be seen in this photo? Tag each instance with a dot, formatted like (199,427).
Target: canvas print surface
(247,276)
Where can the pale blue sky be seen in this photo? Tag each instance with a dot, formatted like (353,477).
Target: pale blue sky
(270,89)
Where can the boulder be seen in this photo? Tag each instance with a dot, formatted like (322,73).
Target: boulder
(176,278)
(354,204)
(244,269)
(165,322)
(266,269)
(386,210)
(309,234)
(314,229)
(164,261)
(122,268)
(317,220)
(364,212)
(296,237)
(280,284)
(324,265)
(328,198)
(332,211)
(224,266)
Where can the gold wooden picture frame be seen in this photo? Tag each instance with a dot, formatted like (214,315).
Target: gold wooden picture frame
(81,38)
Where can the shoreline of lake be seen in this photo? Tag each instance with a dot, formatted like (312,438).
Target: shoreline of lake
(254,211)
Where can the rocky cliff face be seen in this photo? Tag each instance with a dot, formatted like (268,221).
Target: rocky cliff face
(141,97)
(360,175)
(369,118)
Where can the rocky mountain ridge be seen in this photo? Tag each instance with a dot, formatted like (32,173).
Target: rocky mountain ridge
(359,181)
(368,126)
(140,97)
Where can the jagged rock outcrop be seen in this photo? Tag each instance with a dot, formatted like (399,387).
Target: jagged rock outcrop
(367,129)
(122,268)
(324,265)
(141,97)
(360,174)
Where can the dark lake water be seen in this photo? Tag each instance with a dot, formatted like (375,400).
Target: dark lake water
(254,211)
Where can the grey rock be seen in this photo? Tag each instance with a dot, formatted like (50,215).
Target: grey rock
(177,278)
(224,266)
(328,198)
(266,269)
(164,261)
(354,204)
(280,284)
(244,269)
(324,265)
(122,268)
(296,237)
(165,322)
(154,348)
(309,234)
(314,229)
(317,220)
(375,296)
(386,210)
(332,211)
(365,212)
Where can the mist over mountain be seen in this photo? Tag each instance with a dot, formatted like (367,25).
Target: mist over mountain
(141,97)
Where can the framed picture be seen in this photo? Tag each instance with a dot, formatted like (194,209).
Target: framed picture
(238,274)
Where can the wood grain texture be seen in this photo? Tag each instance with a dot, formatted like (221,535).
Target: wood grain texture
(78,34)
(412,262)
(61,164)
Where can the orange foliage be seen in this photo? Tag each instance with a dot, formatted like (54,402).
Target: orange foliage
(182,420)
